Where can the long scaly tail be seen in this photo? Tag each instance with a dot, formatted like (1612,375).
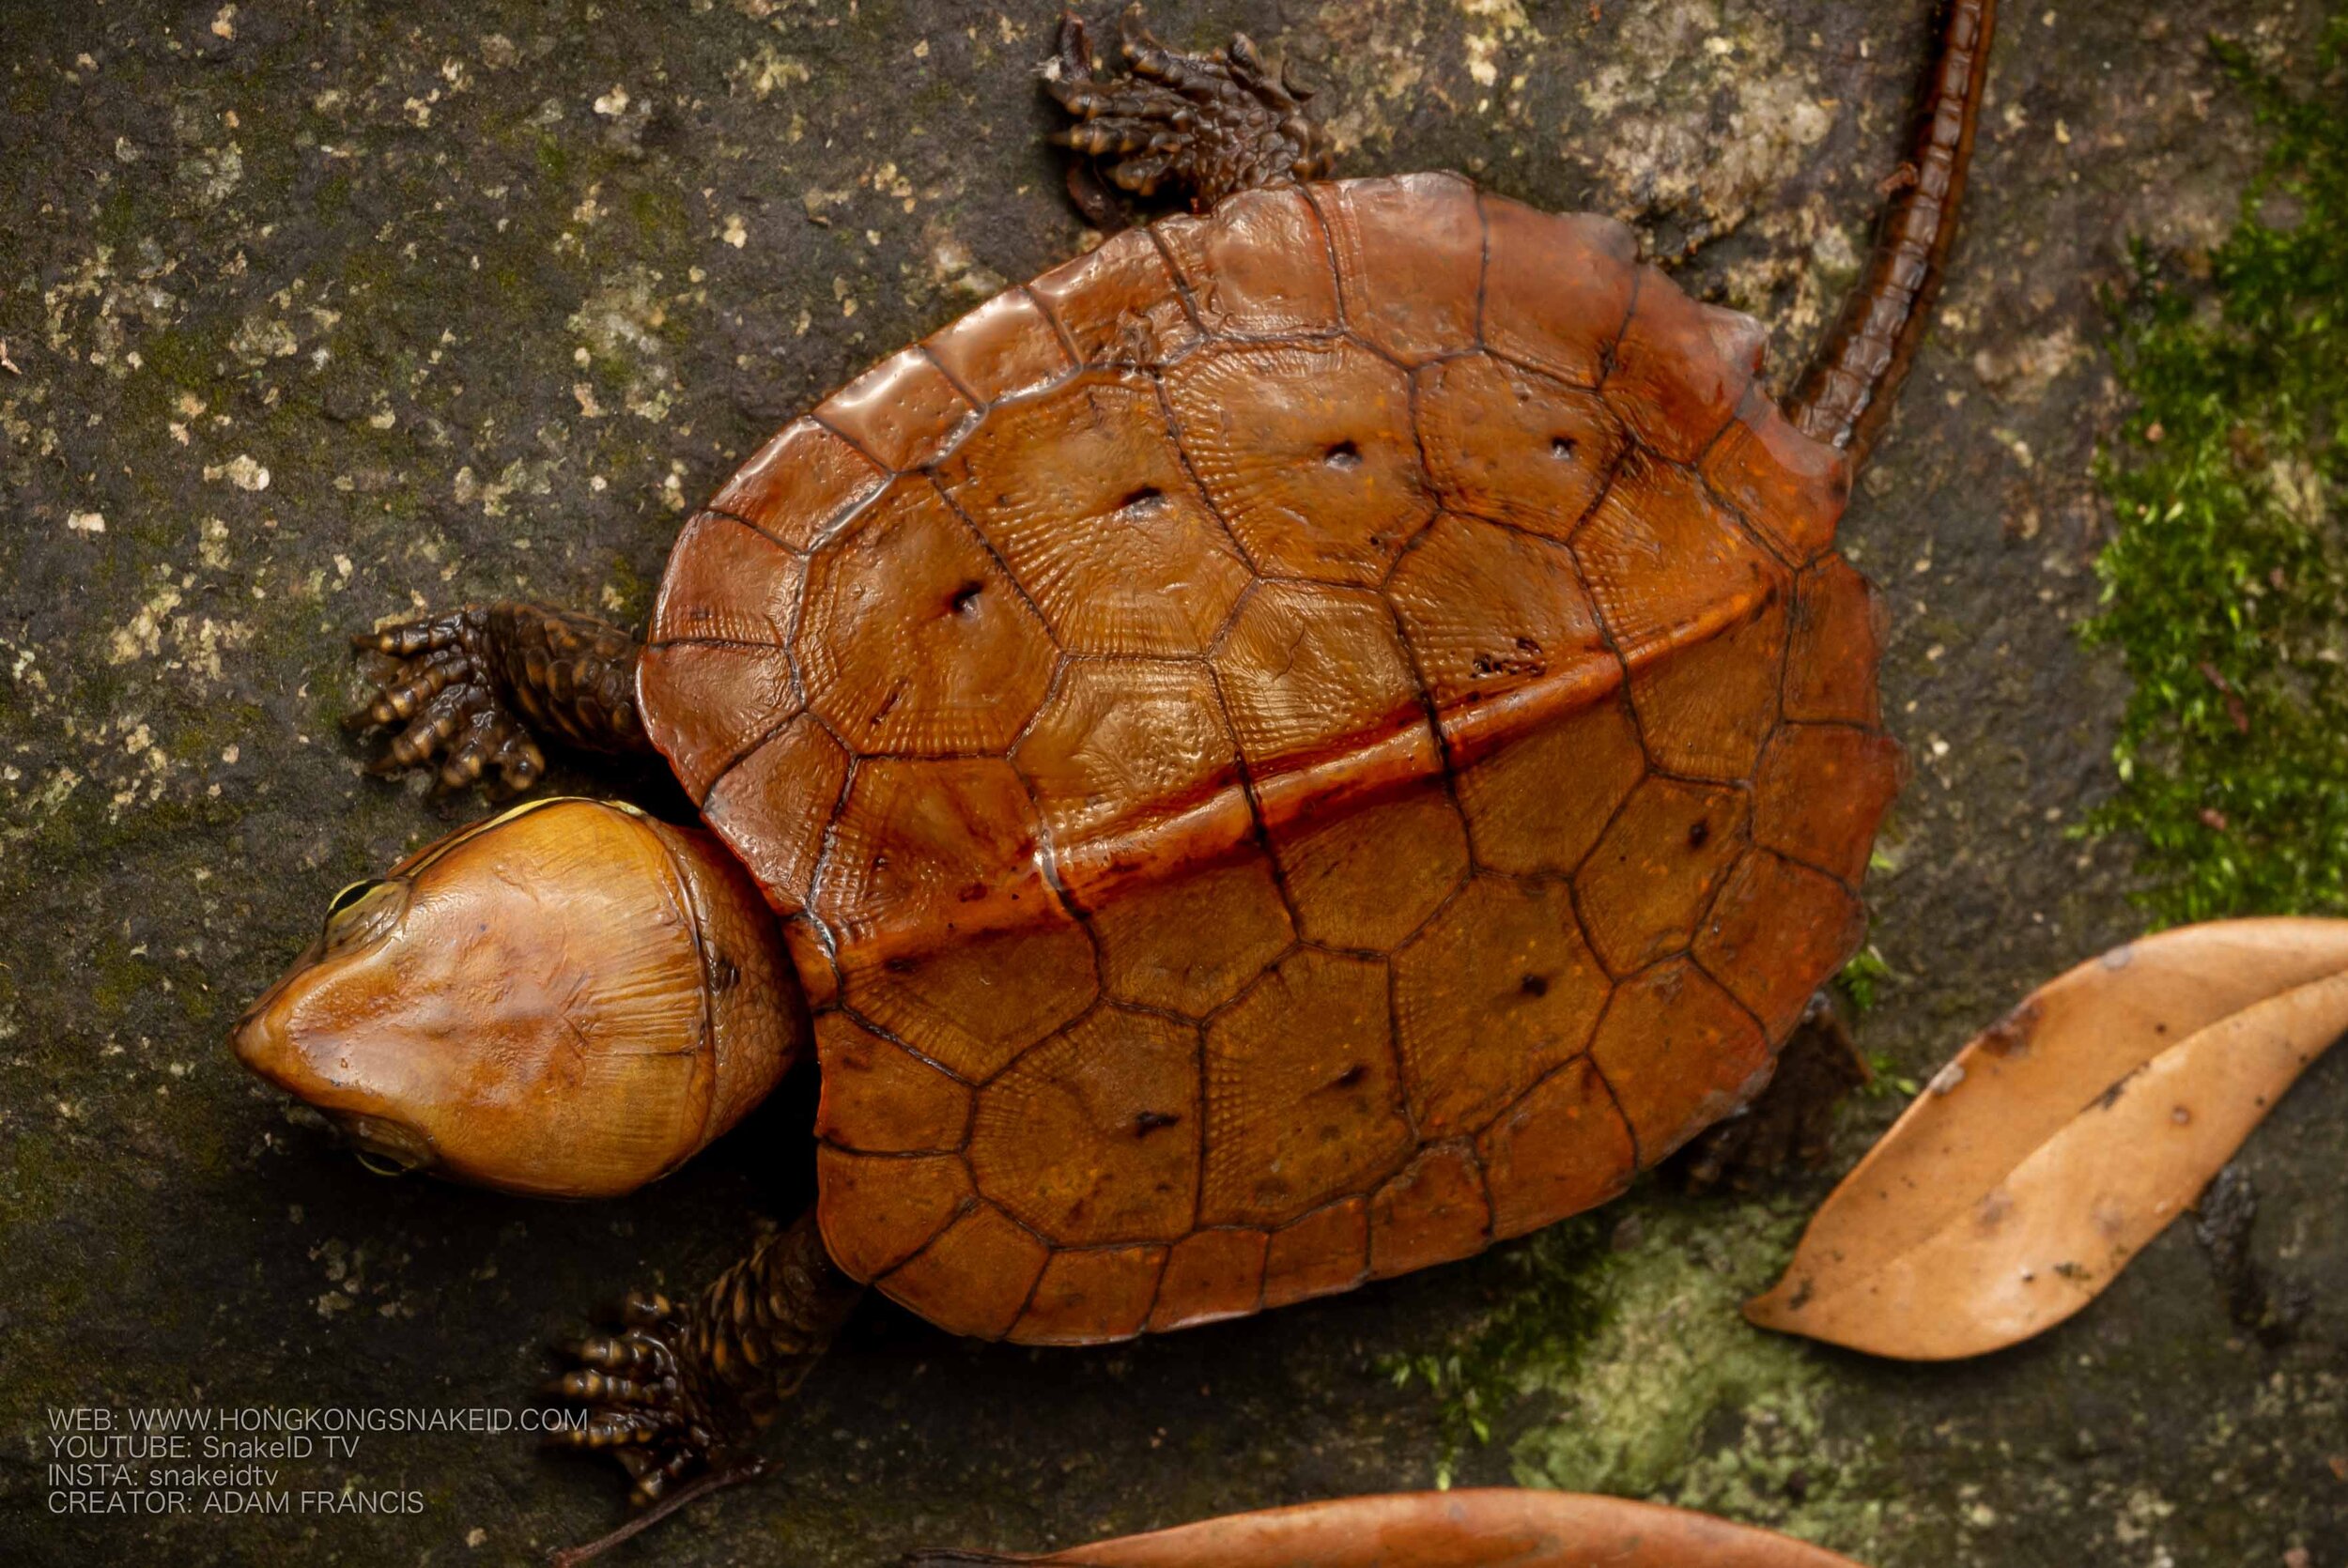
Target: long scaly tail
(1846,394)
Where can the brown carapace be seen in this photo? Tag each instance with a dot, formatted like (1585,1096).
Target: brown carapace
(1308,739)
(1323,733)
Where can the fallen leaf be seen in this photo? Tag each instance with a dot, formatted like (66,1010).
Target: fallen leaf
(1521,1528)
(2061,1141)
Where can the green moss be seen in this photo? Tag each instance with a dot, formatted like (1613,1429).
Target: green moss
(2226,589)
(1545,1317)
(1632,1373)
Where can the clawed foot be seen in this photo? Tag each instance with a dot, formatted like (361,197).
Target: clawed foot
(640,1407)
(455,723)
(1206,124)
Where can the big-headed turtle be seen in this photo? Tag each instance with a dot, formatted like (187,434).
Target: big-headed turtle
(1325,732)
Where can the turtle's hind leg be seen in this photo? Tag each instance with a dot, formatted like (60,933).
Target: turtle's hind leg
(1791,1122)
(1201,126)
(679,1394)
(473,691)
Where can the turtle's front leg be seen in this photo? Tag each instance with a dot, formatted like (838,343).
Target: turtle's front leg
(681,1392)
(475,689)
(1202,126)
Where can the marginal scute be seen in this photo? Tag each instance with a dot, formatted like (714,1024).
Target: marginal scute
(1670,381)
(1086,499)
(1086,1296)
(1653,872)
(1003,348)
(1210,1275)
(914,641)
(1775,925)
(1410,253)
(1820,793)
(1326,1252)
(1838,633)
(878,1210)
(881,1099)
(1557,1151)
(1119,304)
(1307,451)
(1093,1136)
(1514,445)
(1301,1101)
(729,583)
(1785,484)
(1556,288)
(738,693)
(902,414)
(975,1279)
(1504,965)
(800,487)
(1270,741)
(1679,1054)
(1433,1210)
(1259,266)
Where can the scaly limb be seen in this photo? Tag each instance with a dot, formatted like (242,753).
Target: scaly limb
(1203,126)
(678,1395)
(471,691)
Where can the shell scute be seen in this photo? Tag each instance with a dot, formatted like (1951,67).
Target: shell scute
(1515,445)
(1308,452)
(1504,961)
(1557,289)
(1089,1295)
(980,1271)
(1210,1275)
(1410,250)
(1093,1136)
(1562,1148)
(1678,1053)
(913,640)
(1258,266)
(1302,1100)
(1084,493)
(1119,304)
(1320,1255)
(1676,396)
(1279,746)
(1432,1210)
(799,487)
(1004,349)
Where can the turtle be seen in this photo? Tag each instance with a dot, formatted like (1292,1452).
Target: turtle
(1325,732)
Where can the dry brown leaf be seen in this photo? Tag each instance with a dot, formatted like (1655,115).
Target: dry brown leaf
(2062,1140)
(1475,1528)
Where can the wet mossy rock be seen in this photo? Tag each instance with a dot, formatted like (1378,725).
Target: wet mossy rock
(315,312)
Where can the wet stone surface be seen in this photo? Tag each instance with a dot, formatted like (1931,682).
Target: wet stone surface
(318,313)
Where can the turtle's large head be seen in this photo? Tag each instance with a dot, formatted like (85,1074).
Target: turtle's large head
(569,1000)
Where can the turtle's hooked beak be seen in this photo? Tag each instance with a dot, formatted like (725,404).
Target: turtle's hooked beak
(297,1035)
(569,1000)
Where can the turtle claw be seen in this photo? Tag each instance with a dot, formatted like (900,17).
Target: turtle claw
(635,1398)
(454,722)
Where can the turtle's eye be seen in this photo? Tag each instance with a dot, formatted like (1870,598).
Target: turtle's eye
(362,910)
